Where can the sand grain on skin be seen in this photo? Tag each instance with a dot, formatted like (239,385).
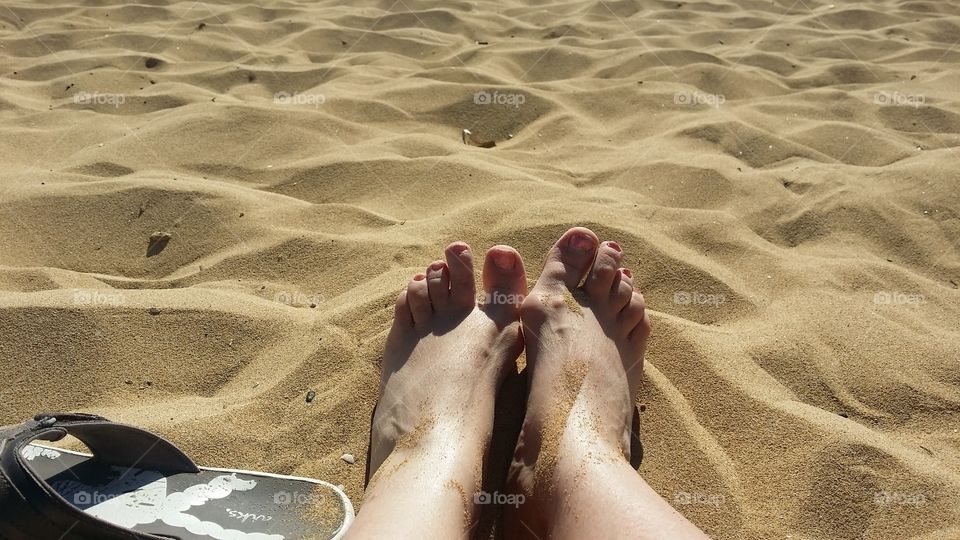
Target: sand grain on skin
(467,503)
(551,432)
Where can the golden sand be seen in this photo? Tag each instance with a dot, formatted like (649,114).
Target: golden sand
(781,175)
(572,302)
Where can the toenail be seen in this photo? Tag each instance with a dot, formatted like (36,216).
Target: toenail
(615,246)
(419,277)
(627,272)
(504,260)
(436,265)
(459,249)
(581,242)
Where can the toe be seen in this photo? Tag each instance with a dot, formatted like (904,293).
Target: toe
(438,285)
(419,299)
(604,271)
(568,259)
(463,289)
(632,314)
(621,291)
(641,331)
(401,311)
(504,279)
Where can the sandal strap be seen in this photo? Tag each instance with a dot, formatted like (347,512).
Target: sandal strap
(30,508)
(114,444)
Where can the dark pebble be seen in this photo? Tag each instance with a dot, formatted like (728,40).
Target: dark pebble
(310,396)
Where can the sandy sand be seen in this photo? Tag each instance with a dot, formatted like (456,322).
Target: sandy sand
(782,175)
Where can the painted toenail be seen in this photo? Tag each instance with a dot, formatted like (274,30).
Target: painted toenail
(615,246)
(419,277)
(504,260)
(459,249)
(581,242)
(436,265)
(627,272)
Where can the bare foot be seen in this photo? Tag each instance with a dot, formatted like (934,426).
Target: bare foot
(585,348)
(445,358)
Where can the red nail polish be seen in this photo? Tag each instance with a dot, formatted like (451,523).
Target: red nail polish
(581,242)
(504,261)
(627,272)
(459,249)
(419,277)
(615,246)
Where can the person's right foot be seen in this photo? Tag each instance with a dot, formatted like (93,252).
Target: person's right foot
(584,347)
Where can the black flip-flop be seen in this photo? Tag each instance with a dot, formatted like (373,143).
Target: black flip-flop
(137,485)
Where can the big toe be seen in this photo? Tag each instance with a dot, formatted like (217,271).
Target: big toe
(569,259)
(504,280)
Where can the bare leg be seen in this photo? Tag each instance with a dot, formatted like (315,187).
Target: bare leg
(585,350)
(444,361)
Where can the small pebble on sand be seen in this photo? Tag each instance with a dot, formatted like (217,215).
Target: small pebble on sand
(348,458)
(157,242)
(311,395)
(468,138)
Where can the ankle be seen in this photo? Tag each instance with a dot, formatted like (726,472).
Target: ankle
(547,459)
(454,443)
(548,474)
(434,479)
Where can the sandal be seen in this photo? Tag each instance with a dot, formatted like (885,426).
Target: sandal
(137,485)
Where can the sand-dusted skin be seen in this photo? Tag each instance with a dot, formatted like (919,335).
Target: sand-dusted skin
(444,362)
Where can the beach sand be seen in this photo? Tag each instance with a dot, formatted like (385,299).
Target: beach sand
(783,177)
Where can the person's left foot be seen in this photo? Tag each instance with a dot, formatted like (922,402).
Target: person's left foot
(445,359)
